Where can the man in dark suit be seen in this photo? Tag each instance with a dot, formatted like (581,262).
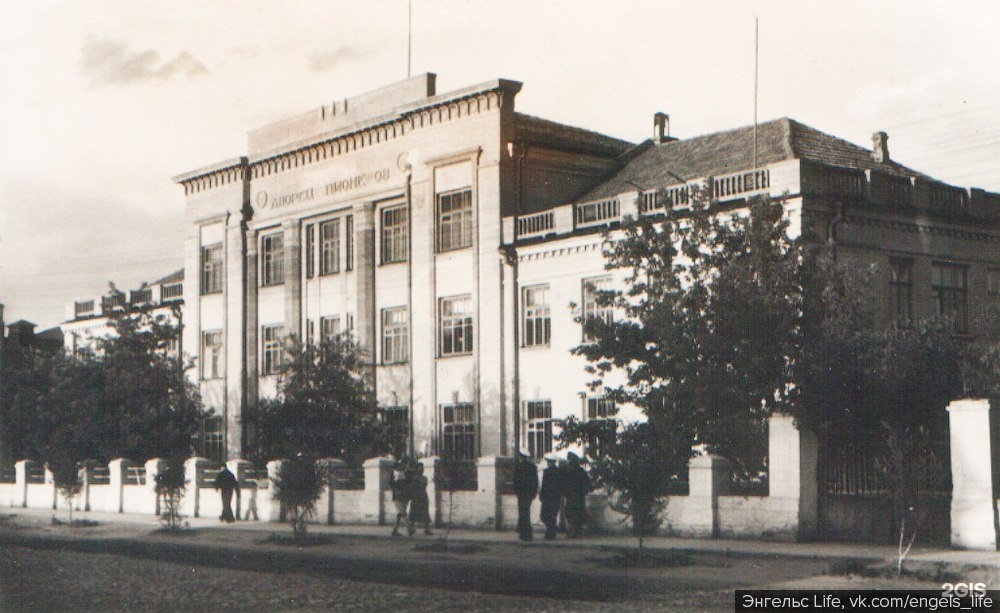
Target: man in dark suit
(226,481)
(526,488)
(551,496)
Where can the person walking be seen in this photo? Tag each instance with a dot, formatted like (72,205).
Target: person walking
(399,483)
(576,487)
(252,503)
(526,488)
(551,495)
(419,503)
(226,482)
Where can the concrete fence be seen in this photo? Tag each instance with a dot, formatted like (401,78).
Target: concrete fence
(362,496)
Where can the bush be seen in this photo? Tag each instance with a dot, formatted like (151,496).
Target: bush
(170,486)
(297,486)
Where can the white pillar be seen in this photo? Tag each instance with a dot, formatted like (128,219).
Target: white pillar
(490,477)
(972,496)
(21,469)
(193,468)
(153,468)
(273,468)
(378,472)
(792,473)
(709,477)
(332,465)
(116,477)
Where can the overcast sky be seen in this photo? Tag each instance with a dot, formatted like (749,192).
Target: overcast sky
(102,102)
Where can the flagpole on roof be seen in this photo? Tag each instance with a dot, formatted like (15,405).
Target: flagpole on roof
(409,34)
(756,37)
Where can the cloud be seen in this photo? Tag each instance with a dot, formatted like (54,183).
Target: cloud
(329,59)
(112,62)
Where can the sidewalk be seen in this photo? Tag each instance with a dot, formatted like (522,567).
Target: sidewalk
(129,525)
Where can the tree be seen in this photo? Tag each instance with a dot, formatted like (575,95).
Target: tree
(324,408)
(170,486)
(297,487)
(710,329)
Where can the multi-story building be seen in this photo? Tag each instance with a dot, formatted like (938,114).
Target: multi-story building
(88,320)
(458,240)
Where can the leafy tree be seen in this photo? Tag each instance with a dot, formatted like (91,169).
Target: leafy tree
(324,408)
(66,474)
(710,329)
(298,486)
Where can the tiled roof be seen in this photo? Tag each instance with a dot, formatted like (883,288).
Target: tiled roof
(731,151)
(177,275)
(533,130)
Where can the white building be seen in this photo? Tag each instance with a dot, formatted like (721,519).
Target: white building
(452,234)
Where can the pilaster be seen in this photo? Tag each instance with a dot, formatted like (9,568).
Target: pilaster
(364,262)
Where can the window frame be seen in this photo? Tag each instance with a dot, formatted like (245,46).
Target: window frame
(455,218)
(272,350)
(536,319)
(458,435)
(329,247)
(538,428)
(212,263)
(395,335)
(272,259)
(900,287)
(463,321)
(332,321)
(213,355)
(589,287)
(952,296)
(395,236)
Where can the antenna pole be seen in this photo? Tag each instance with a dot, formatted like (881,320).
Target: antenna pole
(756,38)
(409,34)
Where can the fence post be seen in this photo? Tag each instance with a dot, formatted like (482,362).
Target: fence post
(239,469)
(792,471)
(85,473)
(972,496)
(116,477)
(21,469)
(432,470)
(709,477)
(50,479)
(193,468)
(490,475)
(378,472)
(332,465)
(153,468)
(277,513)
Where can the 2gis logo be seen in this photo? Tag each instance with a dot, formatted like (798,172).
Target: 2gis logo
(963,590)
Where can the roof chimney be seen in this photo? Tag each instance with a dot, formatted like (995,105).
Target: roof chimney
(661,128)
(880,147)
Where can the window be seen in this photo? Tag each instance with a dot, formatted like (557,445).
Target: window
(329,327)
(455,324)
(310,331)
(395,335)
(349,231)
(273,352)
(395,241)
(901,289)
(538,427)
(454,220)
(212,361)
(211,269)
(397,420)
(601,425)
(459,431)
(950,287)
(172,291)
(599,407)
(329,247)
(213,438)
(272,263)
(310,247)
(591,308)
(537,320)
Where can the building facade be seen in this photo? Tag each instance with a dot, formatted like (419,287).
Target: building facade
(458,240)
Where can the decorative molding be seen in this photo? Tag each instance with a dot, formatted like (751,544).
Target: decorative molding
(922,228)
(559,251)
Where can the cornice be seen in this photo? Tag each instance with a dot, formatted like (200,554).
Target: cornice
(215,175)
(554,251)
(921,228)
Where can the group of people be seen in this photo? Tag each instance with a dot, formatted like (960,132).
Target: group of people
(409,494)
(563,488)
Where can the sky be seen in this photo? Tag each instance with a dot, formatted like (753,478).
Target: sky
(101,103)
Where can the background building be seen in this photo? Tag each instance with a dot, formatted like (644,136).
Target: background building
(457,239)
